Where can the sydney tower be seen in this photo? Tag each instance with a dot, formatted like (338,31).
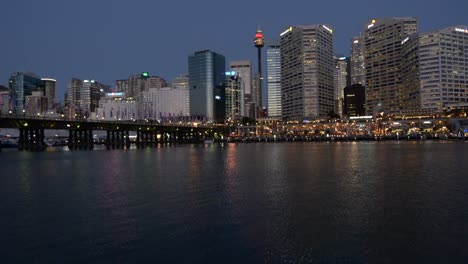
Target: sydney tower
(258,41)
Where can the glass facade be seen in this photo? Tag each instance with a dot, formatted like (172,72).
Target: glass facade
(22,85)
(273,54)
(206,82)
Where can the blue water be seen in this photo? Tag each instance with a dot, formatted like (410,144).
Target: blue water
(377,202)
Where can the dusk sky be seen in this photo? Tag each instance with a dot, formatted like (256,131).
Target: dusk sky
(109,40)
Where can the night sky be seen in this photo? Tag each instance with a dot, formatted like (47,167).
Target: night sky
(109,40)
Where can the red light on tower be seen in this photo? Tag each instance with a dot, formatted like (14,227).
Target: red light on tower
(258,39)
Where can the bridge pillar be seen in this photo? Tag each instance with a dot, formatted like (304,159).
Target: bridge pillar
(127,139)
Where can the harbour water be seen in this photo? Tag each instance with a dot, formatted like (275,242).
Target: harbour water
(349,202)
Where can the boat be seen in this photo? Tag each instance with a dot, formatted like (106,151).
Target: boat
(8,143)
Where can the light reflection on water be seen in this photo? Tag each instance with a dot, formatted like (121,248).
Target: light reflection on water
(237,203)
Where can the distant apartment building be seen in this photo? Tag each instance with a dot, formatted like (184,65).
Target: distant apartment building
(164,104)
(383,62)
(50,86)
(273,82)
(36,104)
(206,82)
(181,81)
(307,90)
(137,83)
(234,96)
(4,100)
(23,84)
(243,68)
(83,96)
(114,106)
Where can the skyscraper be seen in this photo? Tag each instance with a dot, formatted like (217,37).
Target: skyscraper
(443,60)
(206,82)
(50,88)
(83,96)
(22,85)
(307,72)
(340,81)
(243,69)
(273,65)
(383,60)
(357,65)
(234,96)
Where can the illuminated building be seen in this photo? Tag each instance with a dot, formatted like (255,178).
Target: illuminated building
(357,65)
(206,82)
(35,104)
(50,86)
(234,96)
(340,81)
(164,103)
(273,65)
(443,60)
(307,90)
(83,96)
(383,60)
(22,85)
(257,93)
(354,100)
(114,106)
(244,71)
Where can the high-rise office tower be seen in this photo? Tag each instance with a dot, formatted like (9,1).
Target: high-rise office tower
(206,82)
(443,62)
(243,69)
(307,90)
(50,88)
(21,85)
(383,60)
(83,96)
(411,90)
(259,43)
(357,65)
(234,96)
(340,81)
(273,54)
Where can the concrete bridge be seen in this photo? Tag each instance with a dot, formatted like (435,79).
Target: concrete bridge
(148,134)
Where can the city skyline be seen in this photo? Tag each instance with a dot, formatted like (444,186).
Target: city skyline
(108,46)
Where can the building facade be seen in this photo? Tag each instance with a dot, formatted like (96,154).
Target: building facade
(164,104)
(354,100)
(36,104)
(273,65)
(22,85)
(206,82)
(114,106)
(243,69)
(50,86)
(307,90)
(357,64)
(340,81)
(383,61)
(443,68)
(234,96)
